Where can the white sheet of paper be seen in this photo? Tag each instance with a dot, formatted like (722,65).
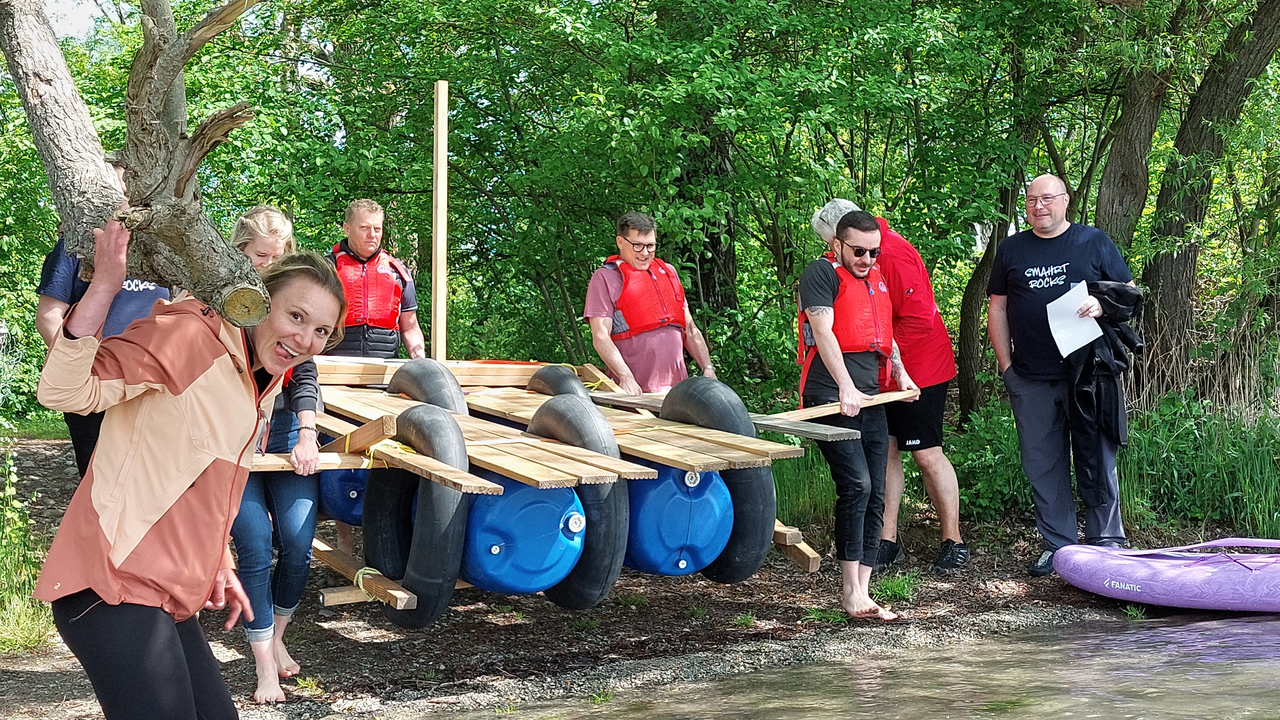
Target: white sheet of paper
(1070,331)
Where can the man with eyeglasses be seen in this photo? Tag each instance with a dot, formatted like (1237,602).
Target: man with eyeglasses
(1033,268)
(914,427)
(640,321)
(846,340)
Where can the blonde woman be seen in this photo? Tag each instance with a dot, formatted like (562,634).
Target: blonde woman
(279,505)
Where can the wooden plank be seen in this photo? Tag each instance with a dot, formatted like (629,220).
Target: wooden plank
(785,534)
(617,466)
(279,462)
(334,426)
(834,408)
(440,221)
(519,468)
(803,556)
(434,470)
(771,450)
(378,586)
(798,428)
(586,473)
(638,445)
(592,374)
(738,459)
(363,437)
(649,401)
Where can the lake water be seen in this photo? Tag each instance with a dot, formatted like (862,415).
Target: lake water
(1206,669)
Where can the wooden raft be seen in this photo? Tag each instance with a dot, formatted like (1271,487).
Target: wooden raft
(687,447)
(337,370)
(535,461)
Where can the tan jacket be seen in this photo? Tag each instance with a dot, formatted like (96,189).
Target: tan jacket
(150,522)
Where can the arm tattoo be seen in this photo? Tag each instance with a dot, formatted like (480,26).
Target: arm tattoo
(816,310)
(895,358)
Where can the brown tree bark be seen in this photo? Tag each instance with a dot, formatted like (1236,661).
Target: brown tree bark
(1186,186)
(174,244)
(1122,193)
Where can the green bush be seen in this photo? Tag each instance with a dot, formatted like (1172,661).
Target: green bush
(25,623)
(989,466)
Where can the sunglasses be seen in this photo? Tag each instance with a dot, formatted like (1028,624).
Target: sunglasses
(860,251)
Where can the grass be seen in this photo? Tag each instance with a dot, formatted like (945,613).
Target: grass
(745,620)
(24,623)
(310,687)
(806,494)
(601,697)
(696,611)
(633,601)
(898,587)
(41,425)
(1135,612)
(585,623)
(504,710)
(827,615)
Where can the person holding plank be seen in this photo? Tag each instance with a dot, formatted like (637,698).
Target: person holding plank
(143,545)
(846,340)
(915,427)
(278,509)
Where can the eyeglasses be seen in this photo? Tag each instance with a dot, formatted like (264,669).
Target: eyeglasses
(860,251)
(1045,200)
(644,247)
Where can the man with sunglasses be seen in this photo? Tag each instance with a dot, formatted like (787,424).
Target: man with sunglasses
(914,427)
(1033,268)
(640,321)
(846,340)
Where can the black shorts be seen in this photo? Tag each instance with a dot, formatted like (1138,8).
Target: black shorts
(918,425)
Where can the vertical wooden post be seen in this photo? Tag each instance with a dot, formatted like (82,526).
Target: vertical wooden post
(440,224)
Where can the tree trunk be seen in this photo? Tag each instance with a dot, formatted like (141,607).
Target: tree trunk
(1122,194)
(173,243)
(971,343)
(1185,190)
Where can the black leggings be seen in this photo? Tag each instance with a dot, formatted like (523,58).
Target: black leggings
(857,467)
(83,430)
(142,664)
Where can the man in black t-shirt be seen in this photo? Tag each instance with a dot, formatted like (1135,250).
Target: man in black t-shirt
(846,330)
(1032,269)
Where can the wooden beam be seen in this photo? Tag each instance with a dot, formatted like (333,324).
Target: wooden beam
(592,374)
(279,462)
(785,534)
(768,448)
(803,556)
(382,588)
(737,459)
(799,428)
(638,445)
(364,437)
(434,470)
(834,408)
(519,468)
(440,223)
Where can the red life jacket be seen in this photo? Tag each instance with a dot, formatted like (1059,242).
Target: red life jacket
(863,320)
(373,288)
(650,298)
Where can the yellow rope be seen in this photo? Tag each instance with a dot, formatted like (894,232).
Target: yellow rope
(363,573)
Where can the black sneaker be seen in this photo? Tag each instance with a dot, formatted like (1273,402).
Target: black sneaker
(952,556)
(890,553)
(1113,544)
(1043,566)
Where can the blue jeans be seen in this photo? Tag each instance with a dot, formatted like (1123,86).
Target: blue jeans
(278,511)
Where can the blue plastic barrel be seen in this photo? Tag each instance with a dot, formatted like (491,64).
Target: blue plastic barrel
(342,494)
(680,522)
(522,541)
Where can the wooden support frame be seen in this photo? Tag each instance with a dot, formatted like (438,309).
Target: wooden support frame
(380,587)
(364,437)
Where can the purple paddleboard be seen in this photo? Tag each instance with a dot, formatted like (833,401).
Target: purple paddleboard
(1176,577)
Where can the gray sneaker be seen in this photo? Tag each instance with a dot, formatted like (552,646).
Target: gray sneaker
(1043,566)
(890,553)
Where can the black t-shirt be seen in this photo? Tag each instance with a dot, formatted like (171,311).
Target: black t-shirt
(1032,272)
(818,287)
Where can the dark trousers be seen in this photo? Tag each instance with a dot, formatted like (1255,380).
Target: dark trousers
(84,437)
(857,468)
(143,664)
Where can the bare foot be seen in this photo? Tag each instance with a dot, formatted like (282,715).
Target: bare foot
(286,666)
(866,608)
(268,689)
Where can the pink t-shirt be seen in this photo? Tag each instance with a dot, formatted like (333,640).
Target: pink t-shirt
(656,358)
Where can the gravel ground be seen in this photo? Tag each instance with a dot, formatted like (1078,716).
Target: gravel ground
(493,651)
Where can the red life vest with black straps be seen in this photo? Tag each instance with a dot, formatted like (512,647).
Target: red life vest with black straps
(650,298)
(863,320)
(373,288)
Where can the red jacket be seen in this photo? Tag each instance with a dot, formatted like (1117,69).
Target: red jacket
(650,298)
(373,288)
(863,319)
(917,325)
